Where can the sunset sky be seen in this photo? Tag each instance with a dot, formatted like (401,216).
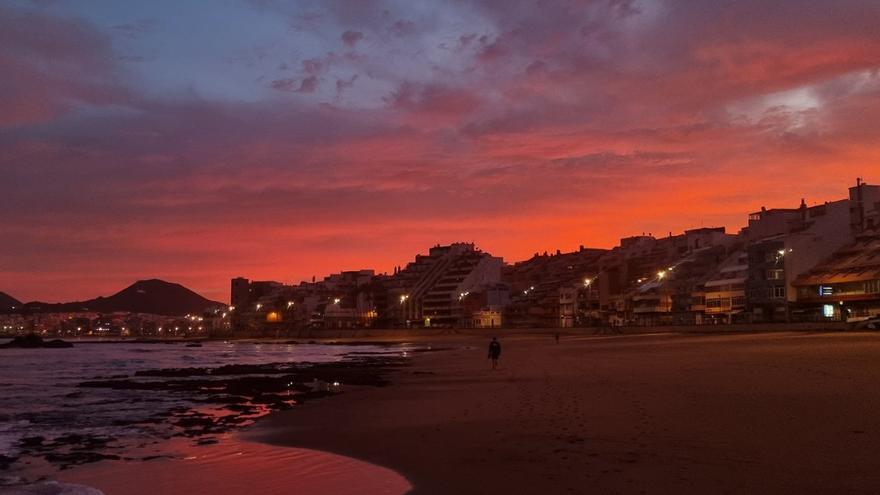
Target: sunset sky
(195,141)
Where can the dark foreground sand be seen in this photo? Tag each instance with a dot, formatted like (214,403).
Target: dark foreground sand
(769,413)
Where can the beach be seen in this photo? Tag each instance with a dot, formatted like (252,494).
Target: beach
(656,413)
(754,413)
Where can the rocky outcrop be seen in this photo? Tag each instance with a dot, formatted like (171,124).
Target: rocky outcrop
(35,342)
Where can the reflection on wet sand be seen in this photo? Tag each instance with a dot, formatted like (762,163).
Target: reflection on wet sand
(235,466)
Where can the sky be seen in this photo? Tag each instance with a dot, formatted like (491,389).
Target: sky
(195,141)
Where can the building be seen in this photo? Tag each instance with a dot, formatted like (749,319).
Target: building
(786,243)
(864,207)
(240,291)
(545,289)
(846,286)
(430,290)
(650,281)
(567,306)
(724,293)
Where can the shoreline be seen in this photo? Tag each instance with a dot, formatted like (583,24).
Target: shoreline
(379,336)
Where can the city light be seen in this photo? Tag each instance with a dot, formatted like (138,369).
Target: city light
(336,300)
(661,274)
(289,304)
(231,308)
(259,306)
(587,282)
(403,298)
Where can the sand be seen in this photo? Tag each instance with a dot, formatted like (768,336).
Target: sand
(759,413)
(236,466)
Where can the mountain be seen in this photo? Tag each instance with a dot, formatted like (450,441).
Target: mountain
(7,301)
(144,296)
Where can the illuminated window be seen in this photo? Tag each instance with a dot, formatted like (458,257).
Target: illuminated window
(828,310)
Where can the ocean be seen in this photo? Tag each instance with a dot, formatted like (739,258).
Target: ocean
(47,414)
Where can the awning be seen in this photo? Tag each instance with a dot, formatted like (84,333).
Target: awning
(726,281)
(837,278)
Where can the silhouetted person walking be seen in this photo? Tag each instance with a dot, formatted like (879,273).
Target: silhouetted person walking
(494,352)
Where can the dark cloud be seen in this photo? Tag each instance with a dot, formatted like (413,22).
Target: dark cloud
(403,28)
(138,28)
(351,38)
(306,85)
(50,64)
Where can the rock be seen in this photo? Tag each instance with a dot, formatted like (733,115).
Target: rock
(32,341)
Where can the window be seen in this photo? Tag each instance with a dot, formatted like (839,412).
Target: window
(713,303)
(828,310)
(775,274)
(872,286)
(738,301)
(777,292)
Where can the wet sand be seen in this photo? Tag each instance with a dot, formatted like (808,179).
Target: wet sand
(755,413)
(236,466)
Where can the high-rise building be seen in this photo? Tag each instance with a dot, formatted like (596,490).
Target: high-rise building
(240,293)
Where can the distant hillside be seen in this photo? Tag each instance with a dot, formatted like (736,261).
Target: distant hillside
(145,296)
(7,301)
